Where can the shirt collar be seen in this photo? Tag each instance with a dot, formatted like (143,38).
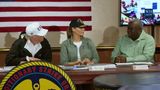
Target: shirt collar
(33,49)
(142,36)
(71,40)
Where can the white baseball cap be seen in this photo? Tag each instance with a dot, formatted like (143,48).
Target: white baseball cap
(35,29)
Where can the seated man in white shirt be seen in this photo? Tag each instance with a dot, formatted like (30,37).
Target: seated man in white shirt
(32,47)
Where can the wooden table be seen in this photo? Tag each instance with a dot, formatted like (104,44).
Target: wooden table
(141,87)
(115,81)
(85,76)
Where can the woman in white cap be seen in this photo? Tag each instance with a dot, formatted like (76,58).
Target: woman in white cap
(78,49)
(32,47)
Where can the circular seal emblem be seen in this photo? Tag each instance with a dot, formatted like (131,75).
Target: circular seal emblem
(37,76)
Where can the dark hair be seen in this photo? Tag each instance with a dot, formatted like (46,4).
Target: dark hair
(22,35)
(69,32)
(76,22)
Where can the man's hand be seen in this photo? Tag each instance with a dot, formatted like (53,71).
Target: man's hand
(33,59)
(120,59)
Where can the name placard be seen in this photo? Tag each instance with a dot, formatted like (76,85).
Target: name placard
(140,67)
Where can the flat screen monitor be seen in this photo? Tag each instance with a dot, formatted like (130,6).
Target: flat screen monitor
(148,11)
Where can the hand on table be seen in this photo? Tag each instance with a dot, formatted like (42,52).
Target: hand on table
(33,59)
(120,59)
(86,61)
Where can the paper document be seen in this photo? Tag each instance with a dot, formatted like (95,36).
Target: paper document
(143,63)
(80,67)
(75,67)
(135,63)
(119,64)
(93,66)
(66,67)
